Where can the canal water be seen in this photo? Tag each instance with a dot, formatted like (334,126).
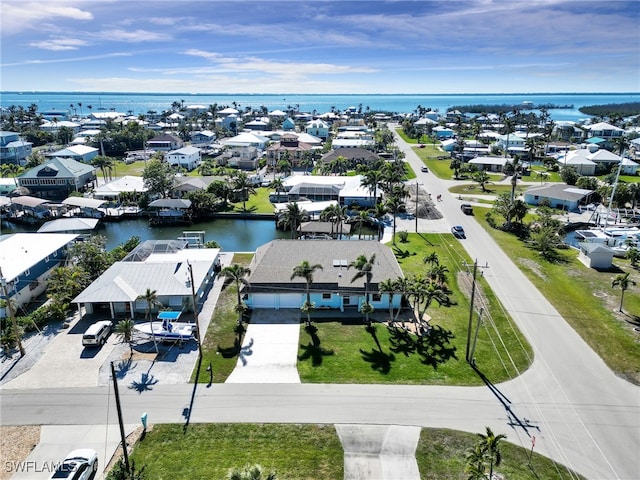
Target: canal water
(233,235)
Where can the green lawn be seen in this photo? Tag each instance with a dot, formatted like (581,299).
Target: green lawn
(300,452)
(491,189)
(208,451)
(584,297)
(347,353)
(553,176)
(222,342)
(258,203)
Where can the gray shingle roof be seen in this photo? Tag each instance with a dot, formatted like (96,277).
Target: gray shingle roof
(273,264)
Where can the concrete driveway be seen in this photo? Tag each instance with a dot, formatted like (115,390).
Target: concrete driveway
(269,352)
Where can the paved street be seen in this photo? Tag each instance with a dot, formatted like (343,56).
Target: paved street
(581,414)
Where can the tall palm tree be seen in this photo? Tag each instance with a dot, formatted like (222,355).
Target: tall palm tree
(371,180)
(394,204)
(491,445)
(305,270)
(624,282)
(151,297)
(236,273)
(364,267)
(104,163)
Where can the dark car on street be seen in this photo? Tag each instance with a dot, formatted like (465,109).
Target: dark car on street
(466,208)
(458,231)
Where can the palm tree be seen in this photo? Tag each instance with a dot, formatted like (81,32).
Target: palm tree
(240,182)
(292,217)
(236,273)
(491,445)
(624,282)
(394,204)
(371,180)
(476,463)
(482,178)
(305,270)
(104,163)
(151,297)
(124,330)
(364,267)
(389,287)
(432,258)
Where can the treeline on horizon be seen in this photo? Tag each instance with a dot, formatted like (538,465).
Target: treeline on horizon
(620,109)
(504,108)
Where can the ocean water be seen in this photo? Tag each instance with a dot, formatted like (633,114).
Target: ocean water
(136,103)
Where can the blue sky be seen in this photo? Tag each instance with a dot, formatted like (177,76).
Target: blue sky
(232,46)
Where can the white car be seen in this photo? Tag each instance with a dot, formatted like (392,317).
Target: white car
(81,464)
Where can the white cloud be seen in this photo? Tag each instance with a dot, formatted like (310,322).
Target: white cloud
(246,64)
(16,16)
(57,44)
(134,36)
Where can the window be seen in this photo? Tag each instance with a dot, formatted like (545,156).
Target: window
(326,296)
(376,297)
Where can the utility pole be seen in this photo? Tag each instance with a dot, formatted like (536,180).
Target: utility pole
(473,292)
(12,315)
(123,439)
(195,309)
(475,337)
(417,206)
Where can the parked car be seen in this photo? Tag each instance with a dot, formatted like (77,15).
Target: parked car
(458,231)
(81,464)
(466,208)
(424,169)
(97,333)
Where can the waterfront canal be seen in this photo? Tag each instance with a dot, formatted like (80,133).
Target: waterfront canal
(233,234)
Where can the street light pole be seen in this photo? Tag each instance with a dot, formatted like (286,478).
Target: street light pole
(195,309)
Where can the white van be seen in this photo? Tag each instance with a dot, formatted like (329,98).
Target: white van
(97,333)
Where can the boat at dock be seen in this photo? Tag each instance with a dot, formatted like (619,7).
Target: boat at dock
(167,328)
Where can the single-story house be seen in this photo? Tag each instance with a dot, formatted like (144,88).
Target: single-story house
(26,260)
(578,159)
(559,195)
(443,132)
(256,125)
(185,157)
(160,265)
(595,255)
(604,157)
(629,167)
(332,286)
(491,164)
(246,139)
(113,189)
(79,153)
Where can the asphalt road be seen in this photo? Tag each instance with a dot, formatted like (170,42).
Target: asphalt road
(580,413)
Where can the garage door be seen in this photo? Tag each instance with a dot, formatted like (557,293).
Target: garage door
(263,300)
(289,300)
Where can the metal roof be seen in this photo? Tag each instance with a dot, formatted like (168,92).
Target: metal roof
(83,202)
